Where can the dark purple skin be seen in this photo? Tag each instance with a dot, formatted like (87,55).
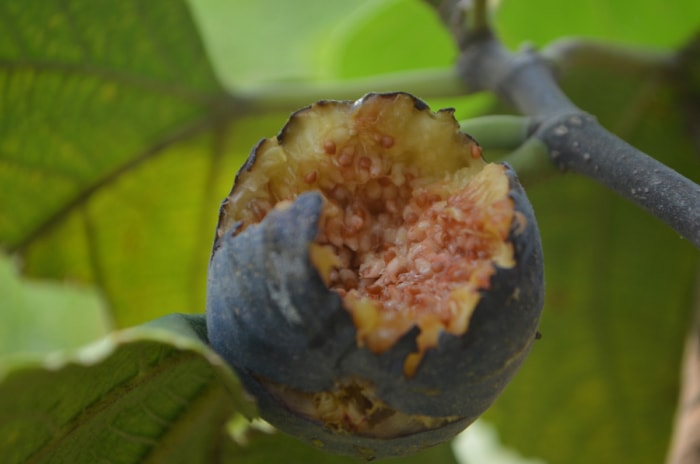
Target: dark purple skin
(270,316)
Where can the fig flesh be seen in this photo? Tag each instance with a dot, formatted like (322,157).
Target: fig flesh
(374,282)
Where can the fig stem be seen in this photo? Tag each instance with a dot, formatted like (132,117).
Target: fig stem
(498,132)
(531,161)
(575,140)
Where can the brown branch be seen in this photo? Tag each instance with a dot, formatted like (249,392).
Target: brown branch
(685,441)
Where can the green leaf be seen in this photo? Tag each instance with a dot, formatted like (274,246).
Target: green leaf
(142,395)
(105,172)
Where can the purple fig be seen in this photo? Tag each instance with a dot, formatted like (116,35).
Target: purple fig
(374,282)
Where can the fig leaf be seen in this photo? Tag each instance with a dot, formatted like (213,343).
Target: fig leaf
(130,397)
(98,102)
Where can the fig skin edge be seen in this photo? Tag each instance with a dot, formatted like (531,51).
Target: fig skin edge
(270,315)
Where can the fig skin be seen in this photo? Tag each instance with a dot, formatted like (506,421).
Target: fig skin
(271,316)
(268,308)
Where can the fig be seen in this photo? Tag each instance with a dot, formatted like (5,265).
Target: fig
(374,281)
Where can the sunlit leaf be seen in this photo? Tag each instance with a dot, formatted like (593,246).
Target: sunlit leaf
(103,174)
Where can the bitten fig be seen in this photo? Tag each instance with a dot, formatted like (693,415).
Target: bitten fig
(374,282)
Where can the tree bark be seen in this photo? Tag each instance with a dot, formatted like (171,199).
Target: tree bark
(685,441)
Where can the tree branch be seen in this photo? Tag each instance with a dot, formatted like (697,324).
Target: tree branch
(685,441)
(579,144)
(574,139)
(522,80)
(477,20)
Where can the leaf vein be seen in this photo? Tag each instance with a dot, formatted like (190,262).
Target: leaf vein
(183,133)
(85,417)
(113,75)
